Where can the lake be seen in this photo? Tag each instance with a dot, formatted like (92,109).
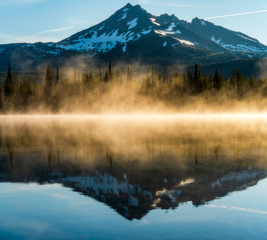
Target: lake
(133,177)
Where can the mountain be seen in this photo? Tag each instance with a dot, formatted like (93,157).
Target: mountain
(135,167)
(132,34)
(135,191)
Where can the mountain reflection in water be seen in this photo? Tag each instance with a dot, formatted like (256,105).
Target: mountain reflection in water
(136,166)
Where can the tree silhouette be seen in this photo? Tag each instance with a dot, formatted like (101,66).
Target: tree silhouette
(48,82)
(9,84)
(57,76)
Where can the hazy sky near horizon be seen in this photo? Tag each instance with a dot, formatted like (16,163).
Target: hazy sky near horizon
(54,20)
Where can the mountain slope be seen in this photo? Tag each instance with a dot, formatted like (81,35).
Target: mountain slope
(229,40)
(132,34)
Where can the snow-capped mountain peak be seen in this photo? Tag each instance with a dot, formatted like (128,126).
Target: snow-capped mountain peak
(132,23)
(126,25)
(132,33)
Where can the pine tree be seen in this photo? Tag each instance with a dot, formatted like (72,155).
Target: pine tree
(2,95)
(110,73)
(233,79)
(57,76)
(26,91)
(216,80)
(9,84)
(106,77)
(251,81)
(196,80)
(48,82)
(239,82)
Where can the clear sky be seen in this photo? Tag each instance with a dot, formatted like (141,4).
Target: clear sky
(54,20)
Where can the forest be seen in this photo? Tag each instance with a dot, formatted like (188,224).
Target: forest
(123,89)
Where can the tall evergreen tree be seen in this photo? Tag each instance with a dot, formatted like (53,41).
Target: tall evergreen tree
(26,91)
(2,95)
(251,81)
(48,82)
(106,77)
(9,84)
(216,80)
(57,76)
(196,80)
(110,73)
(189,80)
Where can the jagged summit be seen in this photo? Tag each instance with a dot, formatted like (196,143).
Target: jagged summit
(132,23)
(167,33)
(132,33)
(136,6)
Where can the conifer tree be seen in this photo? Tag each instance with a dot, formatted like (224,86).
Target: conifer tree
(48,82)
(57,76)
(216,80)
(106,77)
(9,84)
(251,81)
(26,91)
(110,73)
(99,76)
(196,80)
(2,95)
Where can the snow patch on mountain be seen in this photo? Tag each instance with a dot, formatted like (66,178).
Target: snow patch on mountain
(103,183)
(102,43)
(171,194)
(203,23)
(218,41)
(168,31)
(101,27)
(242,48)
(125,10)
(106,184)
(106,41)
(237,47)
(29,45)
(170,28)
(133,201)
(144,32)
(165,32)
(186,182)
(185,42)
(153,20)
(247,38)
(238,177)
(132,23)
(53,52)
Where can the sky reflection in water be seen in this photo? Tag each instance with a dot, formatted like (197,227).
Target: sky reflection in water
(95,180)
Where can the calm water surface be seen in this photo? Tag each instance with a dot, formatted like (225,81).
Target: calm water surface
(74,178)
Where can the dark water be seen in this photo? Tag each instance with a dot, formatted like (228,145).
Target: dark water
(107,179)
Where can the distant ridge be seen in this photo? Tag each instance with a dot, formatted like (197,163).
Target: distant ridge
(132,34)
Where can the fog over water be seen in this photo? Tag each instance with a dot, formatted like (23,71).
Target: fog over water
(75,173)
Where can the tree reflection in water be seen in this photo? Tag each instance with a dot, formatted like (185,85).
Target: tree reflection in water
(136,166)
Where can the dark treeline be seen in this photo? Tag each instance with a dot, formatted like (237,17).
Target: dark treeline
(70,89)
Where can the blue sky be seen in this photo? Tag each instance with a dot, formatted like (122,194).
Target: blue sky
(53,20)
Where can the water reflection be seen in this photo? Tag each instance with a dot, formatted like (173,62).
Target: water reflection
(136,166)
